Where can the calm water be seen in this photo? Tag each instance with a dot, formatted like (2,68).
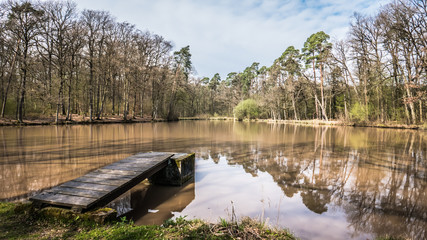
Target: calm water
(321,182)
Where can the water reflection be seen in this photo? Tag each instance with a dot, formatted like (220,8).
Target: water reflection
(322,182)
(36,158)
(153,204)
(376,177)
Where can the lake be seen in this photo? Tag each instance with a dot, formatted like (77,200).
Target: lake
(321,182)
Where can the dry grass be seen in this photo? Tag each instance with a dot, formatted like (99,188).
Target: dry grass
(247,228)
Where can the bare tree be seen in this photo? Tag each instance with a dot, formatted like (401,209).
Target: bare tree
(62,16)
(95,23)
(23,24)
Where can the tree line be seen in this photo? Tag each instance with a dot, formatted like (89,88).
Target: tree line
(56,60)
(378,73)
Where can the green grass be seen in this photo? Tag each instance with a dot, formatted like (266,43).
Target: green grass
(23,222)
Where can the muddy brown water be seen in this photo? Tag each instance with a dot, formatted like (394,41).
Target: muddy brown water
(320,182)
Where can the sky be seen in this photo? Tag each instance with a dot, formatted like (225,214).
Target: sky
(229,35)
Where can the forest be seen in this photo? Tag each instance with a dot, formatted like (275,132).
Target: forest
(58,61)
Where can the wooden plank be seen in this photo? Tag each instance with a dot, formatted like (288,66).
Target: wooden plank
(179,155)
(78,192)
(134,165)
(138,160)
(154,154)
(142,159)
(88,186)
(117,172)
(103,181)
(133,159)
(106,176)
(121,168)
(138,167)
(64,200)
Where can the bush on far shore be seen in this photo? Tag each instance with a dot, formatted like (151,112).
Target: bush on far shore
(246,109)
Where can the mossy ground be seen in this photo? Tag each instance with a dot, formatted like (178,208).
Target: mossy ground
(25,223)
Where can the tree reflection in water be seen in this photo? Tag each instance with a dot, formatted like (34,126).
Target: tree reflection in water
(377,176)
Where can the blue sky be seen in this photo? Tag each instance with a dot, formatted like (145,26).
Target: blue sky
(229,35)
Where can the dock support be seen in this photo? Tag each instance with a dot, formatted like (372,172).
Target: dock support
(180,169)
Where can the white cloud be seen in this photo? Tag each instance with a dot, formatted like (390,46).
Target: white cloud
(226,35)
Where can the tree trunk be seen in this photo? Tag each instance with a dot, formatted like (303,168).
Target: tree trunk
(3,108)
(91,73)
(23,84)
(12,67)
(101,110)
(59,100)
(345,107)
(321,92)
(171,112)
(68,118)
(409,101)
(22,98)
(322,109)
(315,91)
(408,119)
(134,104)
(142,101)
(294,107)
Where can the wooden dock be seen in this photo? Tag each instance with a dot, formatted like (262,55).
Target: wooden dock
(98,188)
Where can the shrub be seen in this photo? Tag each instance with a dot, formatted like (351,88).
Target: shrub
(359,113)
(246,109)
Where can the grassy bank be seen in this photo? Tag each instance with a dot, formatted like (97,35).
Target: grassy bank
(22,222)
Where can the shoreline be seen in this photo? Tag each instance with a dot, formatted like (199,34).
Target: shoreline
(81,120)
(316,122)
(350,124)
(76,120)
